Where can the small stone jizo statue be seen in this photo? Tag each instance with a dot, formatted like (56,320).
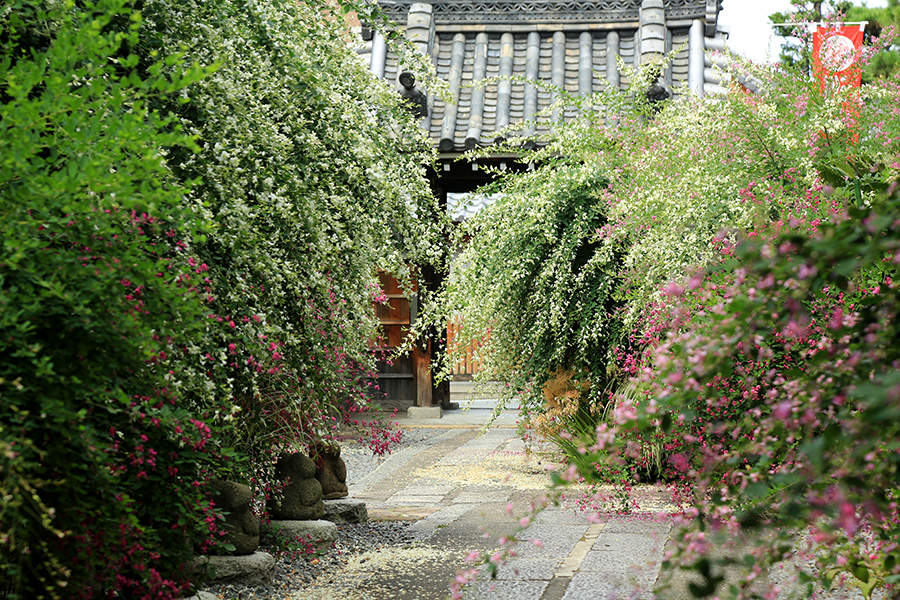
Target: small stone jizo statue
(241,526)
(331,471)
(302,496)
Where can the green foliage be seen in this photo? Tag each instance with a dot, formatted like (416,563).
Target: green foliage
(768,373)
(820,454)
(881,23)
(89,285)
(795,49)
(535,286)
(755,288)
(663,191)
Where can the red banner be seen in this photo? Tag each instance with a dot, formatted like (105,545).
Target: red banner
(836,56)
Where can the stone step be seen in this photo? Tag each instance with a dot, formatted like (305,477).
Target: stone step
(423,412)
(257,569)
(203,596)
(345,510)
(319,532)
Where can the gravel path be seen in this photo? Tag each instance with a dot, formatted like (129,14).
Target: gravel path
(360,461)
(293,574)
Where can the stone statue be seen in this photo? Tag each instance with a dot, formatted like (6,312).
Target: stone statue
(417,101)
(242,528)
(302,496)
(657,92)
(332,473)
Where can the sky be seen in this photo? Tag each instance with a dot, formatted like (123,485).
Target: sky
(751,34)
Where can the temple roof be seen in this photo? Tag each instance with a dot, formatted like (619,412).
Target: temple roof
(570,44)
(456,14)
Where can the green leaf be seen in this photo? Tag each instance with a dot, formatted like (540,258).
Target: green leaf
(861,572)
(666,423)
(757,490)
(869,587)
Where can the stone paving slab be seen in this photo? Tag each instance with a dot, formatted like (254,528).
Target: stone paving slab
(400,460)
(488,443)
(618,562)
(529,569)
(637,525)
(554,532)
(464,419)
(410,499)
(615,558)
(481,497)
(507,590)
(400,513)
(419,489)
(559,516)
(629,542)
(557,541)
(444,516)
(515,445)
(480,488)
(466,457)
(607,586)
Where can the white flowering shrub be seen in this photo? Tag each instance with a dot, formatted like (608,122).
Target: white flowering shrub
(671,190)
(195,198)
(313,177)
(661,186)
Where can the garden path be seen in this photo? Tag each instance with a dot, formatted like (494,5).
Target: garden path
(457,488)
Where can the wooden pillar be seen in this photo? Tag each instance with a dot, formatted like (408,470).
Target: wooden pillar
(422,370)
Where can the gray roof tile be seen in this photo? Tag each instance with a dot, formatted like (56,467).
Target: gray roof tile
(579,26)
(464,206)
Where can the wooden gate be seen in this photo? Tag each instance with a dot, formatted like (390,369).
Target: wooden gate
(396,378)
(407,380)
(467,367)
